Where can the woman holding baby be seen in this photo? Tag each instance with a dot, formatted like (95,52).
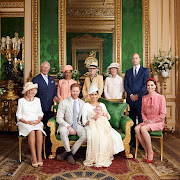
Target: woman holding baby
(102,140)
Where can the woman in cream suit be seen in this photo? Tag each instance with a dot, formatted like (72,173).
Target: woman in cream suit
(93,78)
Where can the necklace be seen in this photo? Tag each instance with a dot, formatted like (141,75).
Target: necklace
(29,99)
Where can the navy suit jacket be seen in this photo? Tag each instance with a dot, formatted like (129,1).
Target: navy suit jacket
(45,92)
(136,85)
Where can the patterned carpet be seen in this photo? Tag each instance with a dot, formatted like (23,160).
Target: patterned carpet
(121,168)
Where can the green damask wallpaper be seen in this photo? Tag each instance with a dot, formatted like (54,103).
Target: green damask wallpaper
(132,35)
(8,27)
(49,32)
(107,47)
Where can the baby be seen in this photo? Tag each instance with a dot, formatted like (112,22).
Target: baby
(98,113)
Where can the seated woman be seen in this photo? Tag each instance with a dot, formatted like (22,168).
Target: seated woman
(114,85)
(153,114)
(29,115)
(63,90)
(93,78)
(100,132)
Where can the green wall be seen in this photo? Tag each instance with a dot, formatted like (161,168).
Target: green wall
(107,47)
(49,32)
(8,27)
(132,35)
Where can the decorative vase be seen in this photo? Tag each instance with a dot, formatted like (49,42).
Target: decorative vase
(165,74)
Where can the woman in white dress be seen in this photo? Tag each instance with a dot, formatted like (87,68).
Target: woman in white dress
(114,85)
(98,153)
(29,115)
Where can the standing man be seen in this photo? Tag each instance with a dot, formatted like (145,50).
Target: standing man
(69,120)
(135,86)
(47,93)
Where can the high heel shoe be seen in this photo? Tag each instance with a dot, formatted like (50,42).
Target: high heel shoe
(35,164)
(151,161)
(144,160)
(40,164)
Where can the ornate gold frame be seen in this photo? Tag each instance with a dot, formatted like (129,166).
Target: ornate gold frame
(88,41)
(62,33)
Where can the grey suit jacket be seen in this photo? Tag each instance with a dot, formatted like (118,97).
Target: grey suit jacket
(65,113)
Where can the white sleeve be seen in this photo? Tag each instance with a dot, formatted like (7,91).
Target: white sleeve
(85,113)
(40,112)
(105,89)
(105,110)
(19,110)
(61,114)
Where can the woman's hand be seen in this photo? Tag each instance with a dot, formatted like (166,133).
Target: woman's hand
(149,122)
(33,123)
(106,115)
(87,123)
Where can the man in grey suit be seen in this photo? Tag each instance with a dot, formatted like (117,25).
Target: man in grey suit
(69,120)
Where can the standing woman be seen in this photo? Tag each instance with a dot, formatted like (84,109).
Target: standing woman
(29,115)
(114,85)
(94,77)
(153,114)
(63,90)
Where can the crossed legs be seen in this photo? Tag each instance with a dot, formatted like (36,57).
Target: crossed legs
(35,140)
(145,140)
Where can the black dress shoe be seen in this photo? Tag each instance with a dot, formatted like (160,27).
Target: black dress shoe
(71,160)
(62,156)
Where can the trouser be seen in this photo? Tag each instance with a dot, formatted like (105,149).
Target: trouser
(64,133)
(135,111)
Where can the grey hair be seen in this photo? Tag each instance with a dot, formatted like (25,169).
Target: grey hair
(44,63)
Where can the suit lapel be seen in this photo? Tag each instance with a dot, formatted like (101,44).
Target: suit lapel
(44,80)
(139,72)
(70,107)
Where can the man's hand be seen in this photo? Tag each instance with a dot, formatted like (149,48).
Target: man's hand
(56,99)
(71,130)
(87,123)
(134,97)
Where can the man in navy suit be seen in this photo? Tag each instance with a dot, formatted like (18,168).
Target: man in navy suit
(135,86)
(47,92)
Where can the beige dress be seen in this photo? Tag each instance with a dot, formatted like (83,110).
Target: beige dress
(100,147)
(114,87)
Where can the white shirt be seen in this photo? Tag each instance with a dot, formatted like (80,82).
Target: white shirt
(137,69)
(44,76)
(77,105)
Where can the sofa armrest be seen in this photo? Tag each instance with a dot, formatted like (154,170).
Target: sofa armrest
(125,126)
(52,124)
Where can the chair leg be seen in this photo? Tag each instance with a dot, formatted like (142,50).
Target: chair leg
(44,146)
(20,143)
(137,144)
(161,144)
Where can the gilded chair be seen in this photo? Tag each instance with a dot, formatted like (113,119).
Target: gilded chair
(25,137)
(121,123)
(155,134)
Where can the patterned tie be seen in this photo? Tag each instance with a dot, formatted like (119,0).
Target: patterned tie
(74,115)
(46,79)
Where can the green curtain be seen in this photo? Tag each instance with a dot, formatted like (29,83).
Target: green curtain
(132,35)
(8,27)
(49,32)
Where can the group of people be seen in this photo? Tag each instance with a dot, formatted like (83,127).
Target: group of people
(90,120)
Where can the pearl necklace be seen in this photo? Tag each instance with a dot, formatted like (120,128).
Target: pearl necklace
(29,99)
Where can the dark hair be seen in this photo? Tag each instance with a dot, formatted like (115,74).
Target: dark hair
(75,85)
(154,81)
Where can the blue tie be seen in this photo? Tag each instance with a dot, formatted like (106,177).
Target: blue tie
(46,79)
(74,115)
